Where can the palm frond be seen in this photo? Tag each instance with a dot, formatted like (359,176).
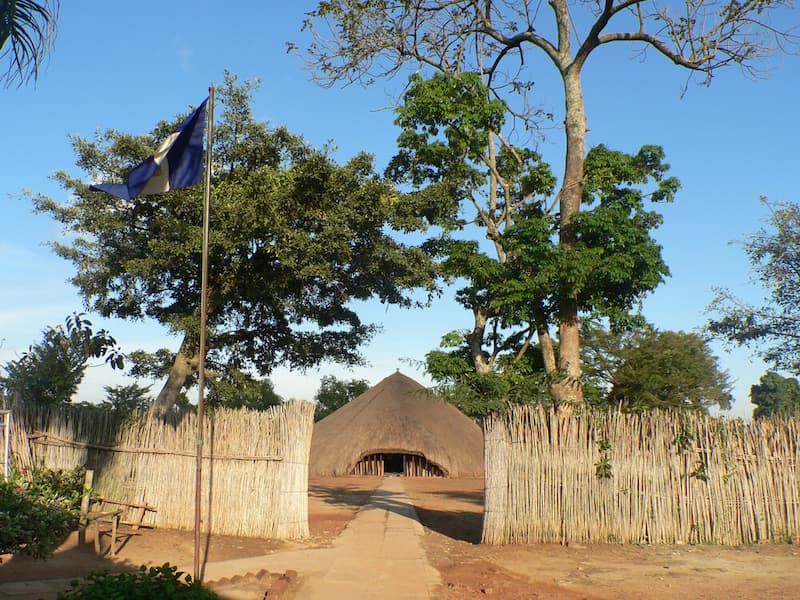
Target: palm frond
(27,31)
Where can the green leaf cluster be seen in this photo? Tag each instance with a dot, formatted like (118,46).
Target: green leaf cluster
(27,31)
(333,393)
(775,396)
(126,399)
(51,370)
(615,259)
(523,382)
(148,583)
(38,509)
(466,179)
(236,389)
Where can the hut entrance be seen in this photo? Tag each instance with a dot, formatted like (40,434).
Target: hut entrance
(407,465)
(393,463)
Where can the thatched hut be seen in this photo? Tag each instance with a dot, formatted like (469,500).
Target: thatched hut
(397,427)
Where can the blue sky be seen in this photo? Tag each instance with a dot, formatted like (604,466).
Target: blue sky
(122,68)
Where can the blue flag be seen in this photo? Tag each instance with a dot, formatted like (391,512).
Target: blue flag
(177,163)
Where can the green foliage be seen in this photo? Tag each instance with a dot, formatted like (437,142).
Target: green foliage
(603,469)
(38,510)
(700,471)
(515,286)
(773,328)
(523,382)
(645,368)
(27,30)
(127,398)
(334,393)
(296,240)
(51,370)
(775,396)
(469,105)
(153,583)
(614,262)
(603,445)
(446,123)
(151,365)
(236,389)
(683,439)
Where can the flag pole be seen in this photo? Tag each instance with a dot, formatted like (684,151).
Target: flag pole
(203,320)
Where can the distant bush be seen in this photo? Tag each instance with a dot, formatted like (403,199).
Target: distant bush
(38,509)
(154,583)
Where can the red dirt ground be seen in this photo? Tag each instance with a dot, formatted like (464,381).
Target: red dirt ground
(451,510)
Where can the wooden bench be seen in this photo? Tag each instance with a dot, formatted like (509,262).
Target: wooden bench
(99,518)
(107,516)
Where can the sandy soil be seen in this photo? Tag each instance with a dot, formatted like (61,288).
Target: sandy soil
(451,511)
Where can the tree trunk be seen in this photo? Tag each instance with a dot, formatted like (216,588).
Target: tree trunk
(548,351)
(475,342)
(569,390)
(186,363)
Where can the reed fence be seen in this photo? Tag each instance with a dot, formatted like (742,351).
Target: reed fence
(255,467)
(650,478)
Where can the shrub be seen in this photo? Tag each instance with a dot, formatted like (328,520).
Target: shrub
(154,583)
(38,510)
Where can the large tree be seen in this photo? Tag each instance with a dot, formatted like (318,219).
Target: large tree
(642,368)
(457,161)
(27,30)
(296,239)
(773,328)
(365,40)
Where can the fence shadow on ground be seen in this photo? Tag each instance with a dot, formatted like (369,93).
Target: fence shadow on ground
(465,526)
(70,562)
(343,496)
(455,523)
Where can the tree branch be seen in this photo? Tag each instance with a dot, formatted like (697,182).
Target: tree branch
(656,43)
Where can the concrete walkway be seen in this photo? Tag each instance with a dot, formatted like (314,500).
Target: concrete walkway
(379,555)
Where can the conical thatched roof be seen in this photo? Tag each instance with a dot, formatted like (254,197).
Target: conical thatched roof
(397,416)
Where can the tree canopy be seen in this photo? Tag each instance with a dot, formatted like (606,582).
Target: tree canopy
(775,396)
(634,368)
(127,398)
(296,239)
(333,393)
(643,368)
(365,40)
(465,176)
(235,389)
